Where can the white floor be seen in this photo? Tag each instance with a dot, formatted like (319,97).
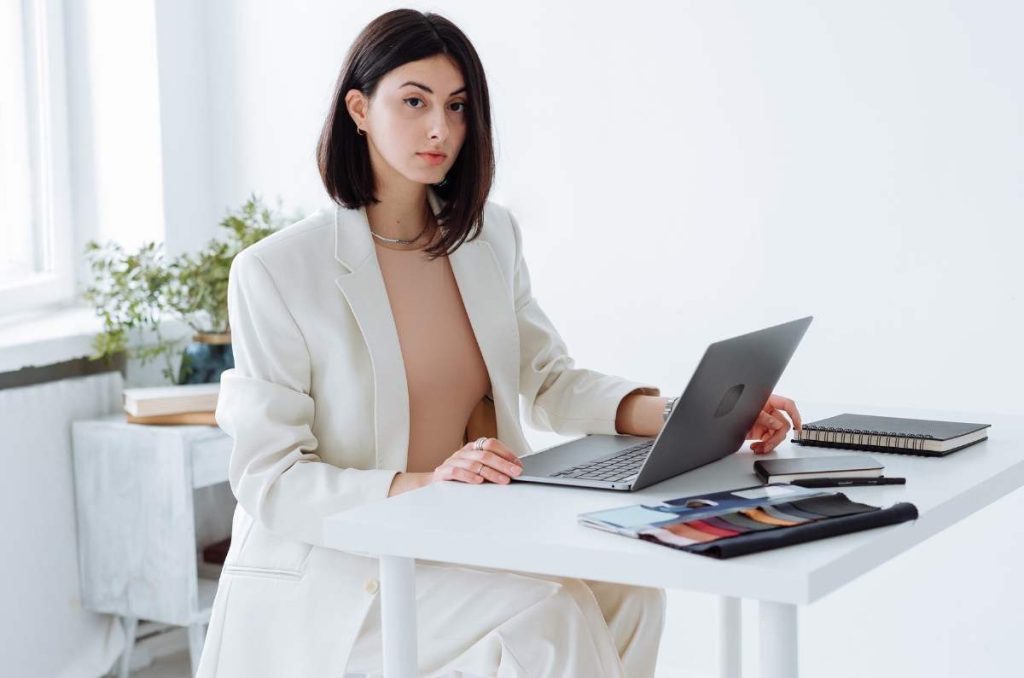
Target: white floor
(171,666)
(176,666)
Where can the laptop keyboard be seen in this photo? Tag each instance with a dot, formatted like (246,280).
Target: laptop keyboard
(620,466)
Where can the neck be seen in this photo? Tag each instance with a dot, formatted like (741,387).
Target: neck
(403,211)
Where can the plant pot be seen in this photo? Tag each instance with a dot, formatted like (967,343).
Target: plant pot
(205,358)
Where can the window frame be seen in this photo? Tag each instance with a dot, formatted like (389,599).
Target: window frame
(46,85)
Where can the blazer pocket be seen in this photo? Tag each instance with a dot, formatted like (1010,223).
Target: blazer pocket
(263,572)
(264,554)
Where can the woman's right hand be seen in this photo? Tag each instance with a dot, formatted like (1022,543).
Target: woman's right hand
(494,462)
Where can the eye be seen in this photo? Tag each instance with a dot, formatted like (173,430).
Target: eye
(413,99)
(460,103)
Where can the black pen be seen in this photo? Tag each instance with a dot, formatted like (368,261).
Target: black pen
(845,482)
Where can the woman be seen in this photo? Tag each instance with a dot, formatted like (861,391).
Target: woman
(383,345)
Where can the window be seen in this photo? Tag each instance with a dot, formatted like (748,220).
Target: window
(36,243)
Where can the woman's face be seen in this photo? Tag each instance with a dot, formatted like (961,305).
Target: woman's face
(418,108)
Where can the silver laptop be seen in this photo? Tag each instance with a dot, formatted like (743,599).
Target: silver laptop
(709,421)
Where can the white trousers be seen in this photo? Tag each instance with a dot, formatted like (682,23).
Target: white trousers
(479,622)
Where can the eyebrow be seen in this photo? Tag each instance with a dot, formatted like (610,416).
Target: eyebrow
(422,86)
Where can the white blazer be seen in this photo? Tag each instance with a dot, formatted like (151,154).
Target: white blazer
(318,407)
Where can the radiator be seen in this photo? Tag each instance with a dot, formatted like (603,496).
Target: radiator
(43,629)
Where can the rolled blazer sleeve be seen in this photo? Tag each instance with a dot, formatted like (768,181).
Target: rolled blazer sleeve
(558,396)
(265,406)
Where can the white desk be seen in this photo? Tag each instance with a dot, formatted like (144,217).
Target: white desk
(533,528)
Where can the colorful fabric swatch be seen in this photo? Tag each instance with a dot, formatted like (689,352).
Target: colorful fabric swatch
(749,520)
(703,526)
(670,537)
(721,524)
(741,522)
(790,512)
(762,517)
(832,505)
(685,531)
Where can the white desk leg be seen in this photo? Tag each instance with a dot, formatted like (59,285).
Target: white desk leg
(729,637)
(196,638)
(778,640)
(398,616)
(130,626)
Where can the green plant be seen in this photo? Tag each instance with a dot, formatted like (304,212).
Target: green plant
(135,290)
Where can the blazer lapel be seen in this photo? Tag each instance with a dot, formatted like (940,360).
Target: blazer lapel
(491,310)
(363,287)
(491,313)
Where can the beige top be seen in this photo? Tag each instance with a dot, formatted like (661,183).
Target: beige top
(444,368)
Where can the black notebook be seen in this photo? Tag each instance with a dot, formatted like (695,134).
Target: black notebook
(892,434)
(800,468)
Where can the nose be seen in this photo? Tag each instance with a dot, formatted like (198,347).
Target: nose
(439,127)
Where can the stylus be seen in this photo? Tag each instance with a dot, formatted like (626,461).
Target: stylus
(846,482)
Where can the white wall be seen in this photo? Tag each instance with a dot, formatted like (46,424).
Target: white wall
(688,171)
(181,43)
(705,169)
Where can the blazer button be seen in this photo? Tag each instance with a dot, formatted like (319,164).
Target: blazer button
(371,585)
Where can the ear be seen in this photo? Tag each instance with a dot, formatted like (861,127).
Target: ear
(356,105)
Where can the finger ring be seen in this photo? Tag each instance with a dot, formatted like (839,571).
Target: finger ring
(479,468)
(479,444)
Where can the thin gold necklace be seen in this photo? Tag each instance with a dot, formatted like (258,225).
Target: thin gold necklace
(399,241)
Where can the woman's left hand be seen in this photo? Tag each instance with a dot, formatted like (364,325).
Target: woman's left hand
(771,426)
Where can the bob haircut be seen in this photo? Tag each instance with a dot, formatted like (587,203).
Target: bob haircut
(389,41)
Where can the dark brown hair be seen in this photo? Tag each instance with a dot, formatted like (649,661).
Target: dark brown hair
(389,41)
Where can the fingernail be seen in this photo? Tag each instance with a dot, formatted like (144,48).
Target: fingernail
(517,470)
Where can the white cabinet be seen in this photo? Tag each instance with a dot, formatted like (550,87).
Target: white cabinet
(149,499)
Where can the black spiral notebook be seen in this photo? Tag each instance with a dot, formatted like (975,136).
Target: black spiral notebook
(924,437)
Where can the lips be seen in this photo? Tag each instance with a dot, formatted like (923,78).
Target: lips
(433,158)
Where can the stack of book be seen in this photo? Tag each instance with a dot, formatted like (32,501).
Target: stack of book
(185,404)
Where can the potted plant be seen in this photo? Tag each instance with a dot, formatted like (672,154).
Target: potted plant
(136,290)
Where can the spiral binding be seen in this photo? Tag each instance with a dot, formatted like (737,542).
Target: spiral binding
(852,437)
